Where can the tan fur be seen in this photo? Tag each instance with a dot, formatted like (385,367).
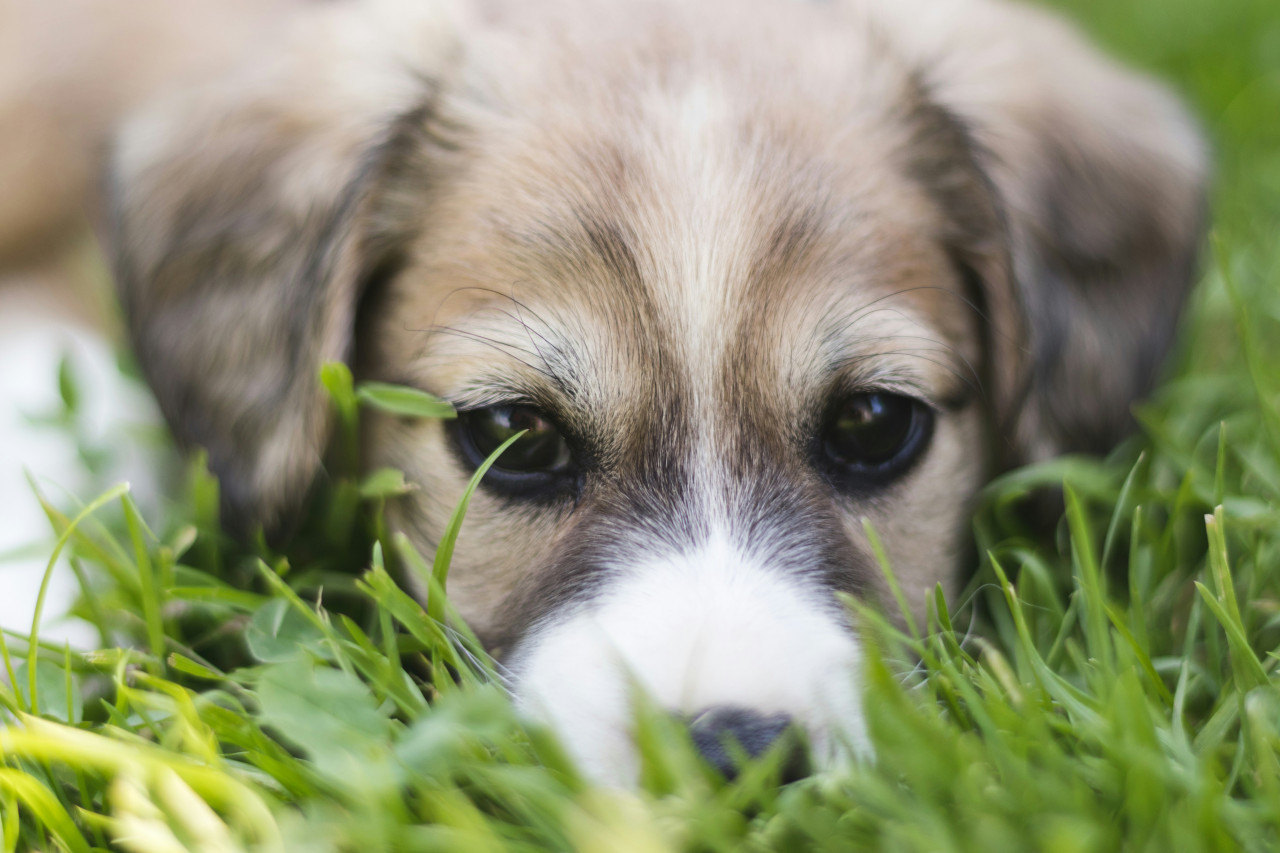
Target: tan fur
(713,216)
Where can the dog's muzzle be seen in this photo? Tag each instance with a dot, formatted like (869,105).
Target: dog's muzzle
(745,653)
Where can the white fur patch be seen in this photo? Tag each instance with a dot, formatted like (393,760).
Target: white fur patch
(695,631)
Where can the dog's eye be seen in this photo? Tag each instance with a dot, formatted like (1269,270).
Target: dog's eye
(542,449)
(877,434)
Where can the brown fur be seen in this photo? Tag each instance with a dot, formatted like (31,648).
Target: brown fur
(681,231)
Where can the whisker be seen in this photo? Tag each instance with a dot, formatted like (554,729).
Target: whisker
(503,675)
(941,343)
(503,347)
(529,333)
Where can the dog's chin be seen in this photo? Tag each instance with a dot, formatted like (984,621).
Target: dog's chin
(699,633)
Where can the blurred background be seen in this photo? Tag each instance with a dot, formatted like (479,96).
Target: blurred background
(74,418)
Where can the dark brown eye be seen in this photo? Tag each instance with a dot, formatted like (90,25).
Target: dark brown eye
(542,449)
(877,434)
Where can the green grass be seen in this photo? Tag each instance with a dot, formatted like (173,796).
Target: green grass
(1114,687)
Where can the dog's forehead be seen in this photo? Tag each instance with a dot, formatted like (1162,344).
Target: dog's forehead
(606,243)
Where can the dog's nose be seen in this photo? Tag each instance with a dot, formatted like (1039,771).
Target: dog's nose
(716,730)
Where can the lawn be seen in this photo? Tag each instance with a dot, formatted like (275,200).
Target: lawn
(1111,685)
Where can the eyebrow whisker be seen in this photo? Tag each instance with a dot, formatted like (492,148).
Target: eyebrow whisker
(529,332)
(506,348)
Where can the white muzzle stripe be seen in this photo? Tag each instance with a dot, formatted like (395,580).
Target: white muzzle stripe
(699,630)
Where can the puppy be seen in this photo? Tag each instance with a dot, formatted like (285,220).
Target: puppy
(748,273)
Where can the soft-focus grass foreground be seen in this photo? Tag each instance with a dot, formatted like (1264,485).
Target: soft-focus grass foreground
(1115,687)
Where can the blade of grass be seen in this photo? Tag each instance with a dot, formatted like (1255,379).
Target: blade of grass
(406,402)
(1091,584)
(45,807)
(1246,667)
(444,551)
(151,605)
(99,502)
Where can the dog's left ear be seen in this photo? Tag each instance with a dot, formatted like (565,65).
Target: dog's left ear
(1100,180)
(245,219)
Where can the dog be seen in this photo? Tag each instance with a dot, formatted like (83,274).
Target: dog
(748,274)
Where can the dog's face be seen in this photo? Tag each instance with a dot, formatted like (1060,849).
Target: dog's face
(751,283)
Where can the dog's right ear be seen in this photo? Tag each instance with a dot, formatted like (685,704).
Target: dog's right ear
(1099,177)
(246,218)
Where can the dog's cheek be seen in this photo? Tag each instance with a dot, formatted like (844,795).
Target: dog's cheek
(925,524)
(698,631)
(494,547)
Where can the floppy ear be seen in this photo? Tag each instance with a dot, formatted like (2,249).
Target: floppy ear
(244,221)
(1100,177)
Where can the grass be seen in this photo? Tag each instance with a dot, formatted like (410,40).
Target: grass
(1114,687)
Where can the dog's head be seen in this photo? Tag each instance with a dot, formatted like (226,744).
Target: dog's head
(748,276)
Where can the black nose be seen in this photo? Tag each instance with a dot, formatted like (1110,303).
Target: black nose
(722,735)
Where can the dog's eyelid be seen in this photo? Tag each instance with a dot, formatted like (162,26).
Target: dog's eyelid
(470,402)
(940,398)
(899,387)
(486,395)
(494,396)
